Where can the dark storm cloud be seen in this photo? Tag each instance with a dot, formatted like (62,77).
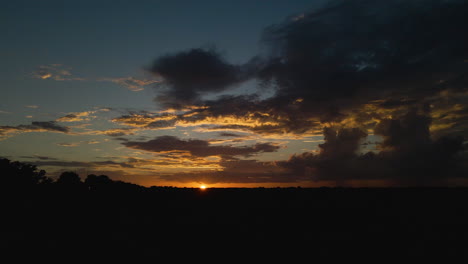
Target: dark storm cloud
(50,126)
(339,149)
(341,144)
(409,132)
(200,148)
(334,60)
(191,73)
(368,48)
(408,155)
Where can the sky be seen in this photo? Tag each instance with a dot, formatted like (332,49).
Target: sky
(238,93)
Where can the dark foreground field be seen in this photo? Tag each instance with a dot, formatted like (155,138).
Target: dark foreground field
(154,222)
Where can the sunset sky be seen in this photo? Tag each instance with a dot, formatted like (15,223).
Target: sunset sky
(238,93)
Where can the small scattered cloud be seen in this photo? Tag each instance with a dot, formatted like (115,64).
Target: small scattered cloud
(113,132)
(225,134)
(131,83)
(76,144)
(57,72)
(38,157)
(32,106)
(69,144)
(77,117)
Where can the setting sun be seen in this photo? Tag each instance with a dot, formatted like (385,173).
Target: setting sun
(202,187)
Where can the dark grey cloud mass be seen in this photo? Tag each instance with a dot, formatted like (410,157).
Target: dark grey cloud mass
(395,67)
(346,50)
(332,61)
(192,73)
(368,49)
(200,148)
(409,155)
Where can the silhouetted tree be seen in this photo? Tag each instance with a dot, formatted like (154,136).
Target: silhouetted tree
(69,178)
(21,174)
(94,182)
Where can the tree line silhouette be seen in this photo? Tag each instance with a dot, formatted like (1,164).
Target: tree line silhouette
(45,217)
(19,176)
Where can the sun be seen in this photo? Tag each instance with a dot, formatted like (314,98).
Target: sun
(202,187)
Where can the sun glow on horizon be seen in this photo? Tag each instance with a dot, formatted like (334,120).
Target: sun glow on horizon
(203,187)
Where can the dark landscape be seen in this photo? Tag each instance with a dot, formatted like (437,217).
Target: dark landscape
(102,217)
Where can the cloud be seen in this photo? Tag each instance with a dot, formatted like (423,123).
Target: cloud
(358,48)
(59,72)
(393,69)
(236,171)
(225,134)
(69,144)
(56,72)
(328,64)
(131,83)
(191,73)
(113,132)
(47,126)
(77,117)
(147,120)
(38,157)
(32,106)
(199,148)
(82,164)
(240,113)
(408,156)
(36,126)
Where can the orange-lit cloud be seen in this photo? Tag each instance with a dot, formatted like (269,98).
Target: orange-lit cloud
(197,147)
(35,126)
(77,117)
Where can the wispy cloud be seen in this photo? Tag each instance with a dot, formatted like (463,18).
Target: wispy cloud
(113,132)
(76,144)
(32,106)
(131,83)
(77,117)
(45,126)
(57,72)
